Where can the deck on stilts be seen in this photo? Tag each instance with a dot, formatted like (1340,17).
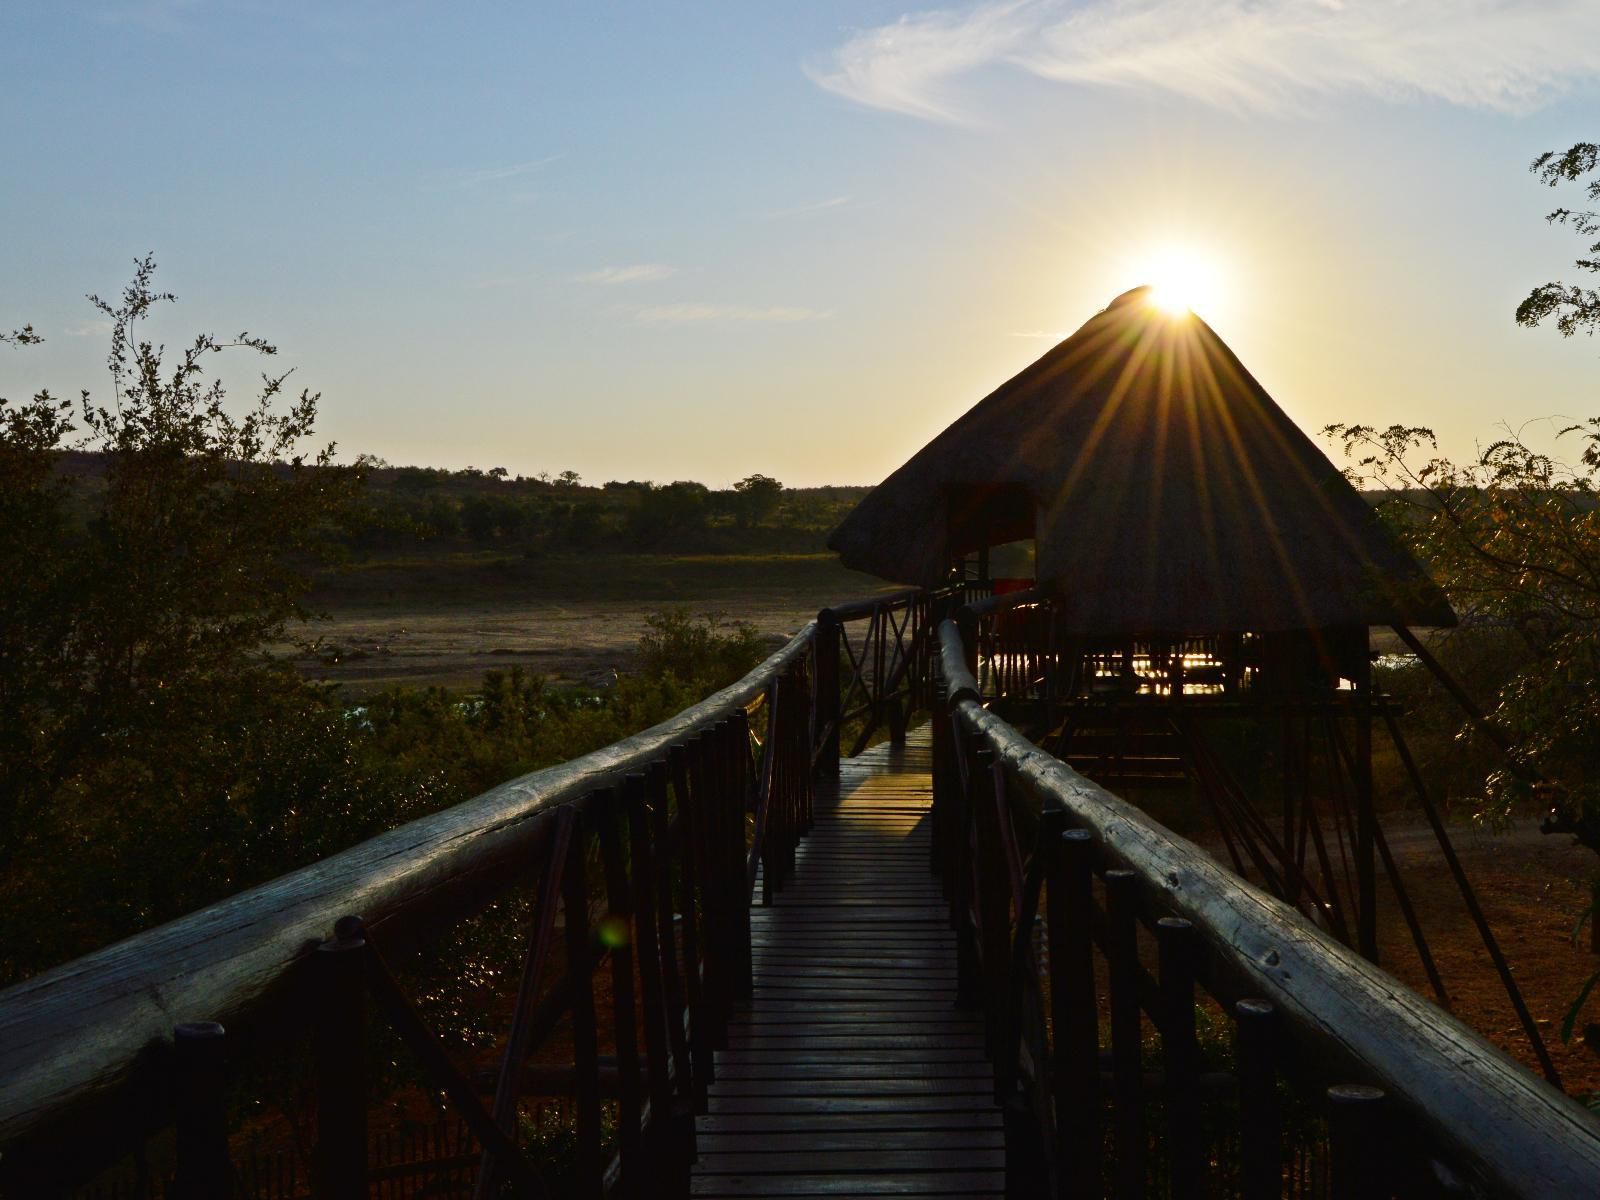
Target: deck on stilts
(853,1073)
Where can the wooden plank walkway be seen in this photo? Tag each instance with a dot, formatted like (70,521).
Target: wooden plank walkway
(853,1073)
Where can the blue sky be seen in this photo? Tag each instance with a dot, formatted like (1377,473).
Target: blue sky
(699,240)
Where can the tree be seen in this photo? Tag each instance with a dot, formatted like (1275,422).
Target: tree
(1514,538)
(758,497)
(1574,308)
(668,516)
(141,595)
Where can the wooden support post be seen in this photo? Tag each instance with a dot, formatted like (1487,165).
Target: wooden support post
(674,1003)
(741,793)
(1357,1150)
(993,891)
(1288,776)
(967,623)
(772,816)
(692,882)
(710,866)
(1074,1016)
(938,817)
(590,1170)
(969,983)
(1260,1121)
(341,1046)
(1179,1054)
(618,935)
(200,1112)
(825,701)
(1366,819)
(659,1135)
(1127,1069)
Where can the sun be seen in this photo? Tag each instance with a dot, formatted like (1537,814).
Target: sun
(1182,280)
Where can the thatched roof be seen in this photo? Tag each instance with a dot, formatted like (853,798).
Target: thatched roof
(1166,492)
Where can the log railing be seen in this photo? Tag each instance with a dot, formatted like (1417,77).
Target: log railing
(651,850)
(1412,1101)
(648,848)
(883,667)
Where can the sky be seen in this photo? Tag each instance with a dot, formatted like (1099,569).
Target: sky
(695,241)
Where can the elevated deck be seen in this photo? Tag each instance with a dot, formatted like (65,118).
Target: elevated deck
(853,1073)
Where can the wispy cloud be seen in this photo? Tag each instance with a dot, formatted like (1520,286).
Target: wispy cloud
(1243,55)
(801,210)
(480,177)
(637,273)
(683,314)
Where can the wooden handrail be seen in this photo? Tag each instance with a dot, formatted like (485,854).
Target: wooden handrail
(855,610)
(80,1033)
(1491,1119)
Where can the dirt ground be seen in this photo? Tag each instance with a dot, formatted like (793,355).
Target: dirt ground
(446,622)
(1532,888)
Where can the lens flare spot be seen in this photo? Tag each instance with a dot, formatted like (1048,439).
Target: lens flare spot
(612,932)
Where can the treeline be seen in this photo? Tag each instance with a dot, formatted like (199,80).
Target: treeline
(412,508)
(409,507)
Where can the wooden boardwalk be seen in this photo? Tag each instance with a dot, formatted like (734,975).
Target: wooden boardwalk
(853,1073)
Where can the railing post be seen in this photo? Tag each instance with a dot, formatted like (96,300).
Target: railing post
(1356,1146)
(677,1008)
(939,818)
(969,984)
(1127,1070)
(200,1104)
(1074,1016)
(341,1044)
(1260,1123)
(825,702)
(617,932)
(993,891)
(660,1134)
(1181,1077)
(585,1033)
(697,934)
(735,754)
(967,622)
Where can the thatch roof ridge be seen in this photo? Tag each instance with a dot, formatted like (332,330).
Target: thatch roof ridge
(1166,487)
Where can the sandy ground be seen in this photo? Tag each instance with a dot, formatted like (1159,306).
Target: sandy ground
(1532,889)
(452,647)
(446,620)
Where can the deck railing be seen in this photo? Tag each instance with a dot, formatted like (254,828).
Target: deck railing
(651,850)
(1413,1102)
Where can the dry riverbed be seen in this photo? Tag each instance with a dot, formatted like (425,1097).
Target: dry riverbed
(446,621)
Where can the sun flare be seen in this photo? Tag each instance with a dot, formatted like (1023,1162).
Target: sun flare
(1182,280)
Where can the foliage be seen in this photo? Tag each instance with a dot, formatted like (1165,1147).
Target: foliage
(412,508)
(142,731)
(153,757)
(757,499)
(1574,308)
(709,651)
(1514,539)
(145,601)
